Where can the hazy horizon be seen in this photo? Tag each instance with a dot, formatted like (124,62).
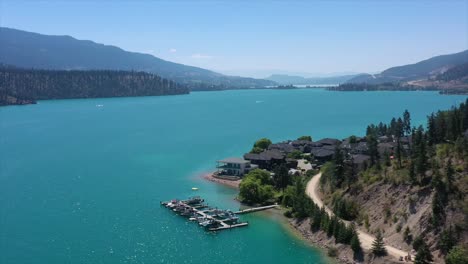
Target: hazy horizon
(258,39)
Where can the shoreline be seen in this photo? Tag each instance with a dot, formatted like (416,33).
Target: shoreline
(293,226)
(229,183)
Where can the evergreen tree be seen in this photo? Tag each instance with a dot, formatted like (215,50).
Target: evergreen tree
(398,152)
(458,255)
(437,210)
(406,122)
(325,222)
(378,246)
(431,130)
(449,175)
(338,159)
(281,177)
(400,128)
(356,244)
(301,203)
(407,235)
(447,240)
(373,150)
(423,255)
(412,173)
(465,115)
(316,218)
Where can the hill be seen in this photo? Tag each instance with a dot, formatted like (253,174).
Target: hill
(33,50)
(421,70)
(291,79)
(22,86)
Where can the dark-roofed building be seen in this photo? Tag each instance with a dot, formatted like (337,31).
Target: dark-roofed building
(302,145)
(385,148)
(283,147)
(361,148)
(267,159)
(361,161)
(384,139)
(329,141)
(322,154)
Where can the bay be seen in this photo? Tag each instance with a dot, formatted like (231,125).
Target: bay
(81,182)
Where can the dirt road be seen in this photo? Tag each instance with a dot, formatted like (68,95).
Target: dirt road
(365,238)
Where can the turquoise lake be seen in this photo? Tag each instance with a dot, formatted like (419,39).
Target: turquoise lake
(82,184)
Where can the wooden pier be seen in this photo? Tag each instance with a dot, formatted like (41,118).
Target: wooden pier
(256,209)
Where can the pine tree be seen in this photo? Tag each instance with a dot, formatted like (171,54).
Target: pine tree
(355,242)
(316,218)
(437,210)
(412,174)
(407,122)
(431,130)
(447,240)
(423,256)
(398,152)
(449,175)
(407,235)
(378,246)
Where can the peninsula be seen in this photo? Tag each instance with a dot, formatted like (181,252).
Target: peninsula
(396,194)
(26,86)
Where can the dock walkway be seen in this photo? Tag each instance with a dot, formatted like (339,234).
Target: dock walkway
(256,209)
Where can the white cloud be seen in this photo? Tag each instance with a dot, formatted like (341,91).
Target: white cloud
(172,50)
(150,51)
(201,56)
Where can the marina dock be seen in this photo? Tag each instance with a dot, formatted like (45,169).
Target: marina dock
(212,219)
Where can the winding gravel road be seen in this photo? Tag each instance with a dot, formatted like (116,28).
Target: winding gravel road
(365,238)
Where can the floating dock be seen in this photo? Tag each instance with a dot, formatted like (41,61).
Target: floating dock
(212,219)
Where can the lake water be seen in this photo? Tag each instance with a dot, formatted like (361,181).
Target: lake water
(82,184)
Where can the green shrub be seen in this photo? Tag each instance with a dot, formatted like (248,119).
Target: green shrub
(288,214)
(332,252)
(398,228)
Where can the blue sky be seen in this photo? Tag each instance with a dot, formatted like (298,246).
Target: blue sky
(258,37)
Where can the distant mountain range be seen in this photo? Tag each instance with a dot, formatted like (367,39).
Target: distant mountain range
(284,79)
(422,70)
(33,50)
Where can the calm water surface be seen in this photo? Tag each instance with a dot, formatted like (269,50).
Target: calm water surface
(82,184)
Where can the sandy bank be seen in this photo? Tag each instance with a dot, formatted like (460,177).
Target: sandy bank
(230,183)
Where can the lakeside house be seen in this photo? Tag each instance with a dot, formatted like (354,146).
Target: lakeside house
(267,159)
(329,141)
(284,147)
(237,167)
(324,153)
(360,161)
(355,150)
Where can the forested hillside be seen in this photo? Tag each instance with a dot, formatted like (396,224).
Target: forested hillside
(23,86)
(413,189)
(417,71)
(32,50)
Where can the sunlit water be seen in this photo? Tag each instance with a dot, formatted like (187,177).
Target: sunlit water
(81,183)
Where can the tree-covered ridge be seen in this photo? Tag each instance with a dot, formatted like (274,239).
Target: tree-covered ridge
(388,86)
(406,185)
(433,168)
(459,72)
(19,86)
(26,50)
